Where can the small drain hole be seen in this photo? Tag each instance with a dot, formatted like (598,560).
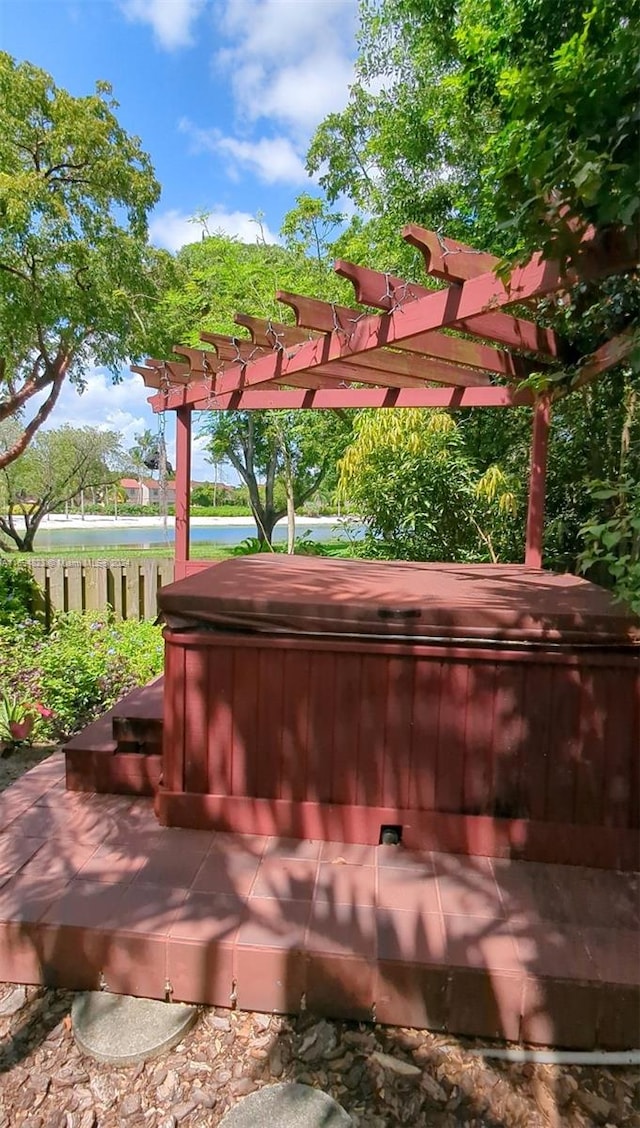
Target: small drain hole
(390,836)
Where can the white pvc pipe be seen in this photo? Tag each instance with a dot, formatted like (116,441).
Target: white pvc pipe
(562,1057)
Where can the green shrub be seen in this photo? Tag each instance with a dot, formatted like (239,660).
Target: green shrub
(81,667)
(19,593)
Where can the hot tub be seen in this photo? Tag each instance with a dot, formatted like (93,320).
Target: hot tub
(479,709)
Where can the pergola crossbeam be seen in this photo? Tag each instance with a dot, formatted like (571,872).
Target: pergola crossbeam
(339,358)
(386,292)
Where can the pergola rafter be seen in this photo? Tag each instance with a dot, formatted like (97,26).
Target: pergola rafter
(423,348)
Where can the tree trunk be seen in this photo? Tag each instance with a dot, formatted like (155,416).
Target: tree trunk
(291,523)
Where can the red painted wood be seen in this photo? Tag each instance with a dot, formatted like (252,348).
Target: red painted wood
(183,488)
(346,727)
(537,485)
(446,258)
(267,752)
(175,698)
(621,744)
(245,722)
(398,729)
(320,731)
(424,748)
(295,724)
(196,719)
(400,725)
(220,735)
(566,746)
(600,847)
(478,795)
(371,736)
(509,738)
(386,292)
(592,753)
(273,398)
(624,659)
(452,741)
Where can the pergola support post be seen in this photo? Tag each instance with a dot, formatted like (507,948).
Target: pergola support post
(537,484)
(183,490)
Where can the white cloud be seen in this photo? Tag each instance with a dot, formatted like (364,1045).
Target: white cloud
(123,408)
(120,407)
(274,159)
(171,20)
(173,229)
(287,59)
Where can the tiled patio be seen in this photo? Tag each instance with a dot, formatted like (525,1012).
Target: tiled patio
(94,892)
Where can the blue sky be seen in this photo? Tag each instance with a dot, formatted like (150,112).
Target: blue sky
(224,95)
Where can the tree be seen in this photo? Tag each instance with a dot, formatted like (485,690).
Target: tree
(77,277)
(281,457)
(512,123)
(56,467)
(408,475)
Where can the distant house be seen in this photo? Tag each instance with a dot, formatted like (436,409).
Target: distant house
(146,491)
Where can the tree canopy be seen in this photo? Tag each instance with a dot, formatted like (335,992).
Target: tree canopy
(496,121)
(77,277)
(281,457)
(56,467)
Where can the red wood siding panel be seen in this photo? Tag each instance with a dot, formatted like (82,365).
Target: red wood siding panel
(522,738)
(320,730)
(511,709)
(244,771)
(371,736)
(423,764)
(565,748)
(454,701)
(589,766)
(477,794)
(346,728)
(196,719)
(173,721)
(399,725)
(295,724)
(220,735)
(265,752)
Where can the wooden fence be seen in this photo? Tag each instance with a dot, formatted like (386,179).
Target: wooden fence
(128,587)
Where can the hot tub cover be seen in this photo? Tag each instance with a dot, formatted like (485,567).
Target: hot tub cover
(304,594)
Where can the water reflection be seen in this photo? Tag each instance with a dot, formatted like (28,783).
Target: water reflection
(131,537)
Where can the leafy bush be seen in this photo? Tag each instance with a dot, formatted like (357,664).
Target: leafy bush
(19,594)
(226,510)
(611,553)
(81,667)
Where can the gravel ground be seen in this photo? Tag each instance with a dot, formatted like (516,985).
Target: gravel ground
(384,1076)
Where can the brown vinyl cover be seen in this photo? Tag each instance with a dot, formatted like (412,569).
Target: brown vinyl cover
(316,595)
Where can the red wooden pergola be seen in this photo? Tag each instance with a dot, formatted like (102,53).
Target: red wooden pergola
(458,346)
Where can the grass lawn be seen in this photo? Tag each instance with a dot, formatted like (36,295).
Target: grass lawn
(205,550)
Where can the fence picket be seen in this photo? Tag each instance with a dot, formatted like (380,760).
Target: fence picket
(96,585)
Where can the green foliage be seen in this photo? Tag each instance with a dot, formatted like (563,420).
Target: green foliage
(54,469)
(19,595)
(16,722)
(79,669)
(226,510)
(611,552)
(409,477)
(494,120)
(77,276)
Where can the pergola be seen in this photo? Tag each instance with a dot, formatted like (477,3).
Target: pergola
(459,346)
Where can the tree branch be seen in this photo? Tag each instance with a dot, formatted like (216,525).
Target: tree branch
(43,413)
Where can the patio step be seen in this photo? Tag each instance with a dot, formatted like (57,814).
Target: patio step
(121,751)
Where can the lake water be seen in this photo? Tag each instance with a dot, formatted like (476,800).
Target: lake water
(91,538)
